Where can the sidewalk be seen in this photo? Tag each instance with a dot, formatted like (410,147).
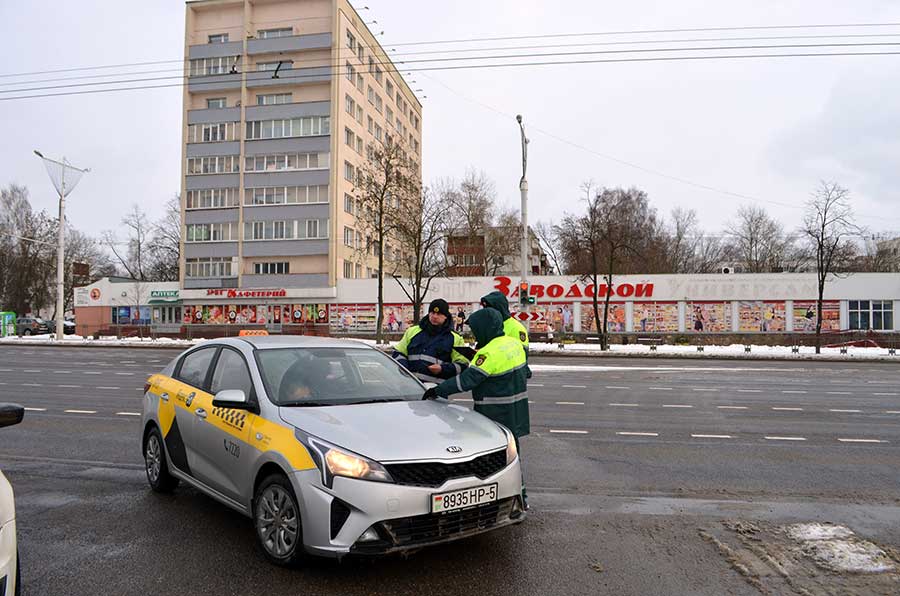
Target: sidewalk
(731,352)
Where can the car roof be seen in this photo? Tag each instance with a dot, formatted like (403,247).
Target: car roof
(266,342)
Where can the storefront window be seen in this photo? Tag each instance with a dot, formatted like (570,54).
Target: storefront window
(877,315)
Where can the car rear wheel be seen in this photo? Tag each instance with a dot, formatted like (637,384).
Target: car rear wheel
(157,468)
(276,517)
(26,332)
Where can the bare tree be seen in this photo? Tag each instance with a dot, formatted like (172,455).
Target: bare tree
(502,238)
(81,248)
(757,242)
(828,229)
(614,236)
(875,256)
(165,243)
(386,187)
(548,237)
(422,229)
(134,253)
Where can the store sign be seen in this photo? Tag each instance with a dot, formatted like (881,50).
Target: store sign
(625,290)
(164,294)
(230,293)
(95,294)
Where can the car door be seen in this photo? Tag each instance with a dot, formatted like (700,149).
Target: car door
(186,390)
(223,454)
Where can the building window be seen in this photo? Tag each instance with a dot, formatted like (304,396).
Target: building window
(359,114)
(348,204)
(877,315)
(358,270)
(213,133)
(271,99)
(348,270)
(308,126)
(222,164)
(216,232)
(209,267)
(361,53)
(360,82)
(415,120)
(379,132)
(218,38)
(359,145)
(351,41)
(272,268)
(212,198)
(349,105)
(389,114)
(312,228)
(378,104)
(285,195)
(286,162)
(272,33)
(215,102)
(348,237)
(389,88)
(370,94)
(351,73)
(378,74)
(214,66)
(349,137)
(349,172)
(370,125)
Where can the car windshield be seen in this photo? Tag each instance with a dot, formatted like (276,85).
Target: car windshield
(334,376)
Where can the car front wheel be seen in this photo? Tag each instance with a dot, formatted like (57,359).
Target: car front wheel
(276,517)
(26,332)
(158,475)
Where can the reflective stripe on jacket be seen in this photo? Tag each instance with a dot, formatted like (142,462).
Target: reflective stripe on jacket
(417,350)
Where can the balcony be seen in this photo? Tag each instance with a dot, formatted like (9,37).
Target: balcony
(223,82)
(293,43)
(216,50)
(288,76)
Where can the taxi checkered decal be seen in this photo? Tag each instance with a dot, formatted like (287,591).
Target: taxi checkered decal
(231,417)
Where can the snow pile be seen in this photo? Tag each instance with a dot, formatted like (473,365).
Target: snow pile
(730,351)
(838,549)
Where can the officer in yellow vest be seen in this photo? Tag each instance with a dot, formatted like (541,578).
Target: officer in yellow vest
(511,326)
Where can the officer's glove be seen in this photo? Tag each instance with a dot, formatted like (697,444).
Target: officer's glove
(430,393)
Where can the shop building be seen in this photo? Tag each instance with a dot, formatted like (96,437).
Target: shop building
(123,306)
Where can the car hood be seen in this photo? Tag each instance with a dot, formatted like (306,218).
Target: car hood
(398,431)
(7,504)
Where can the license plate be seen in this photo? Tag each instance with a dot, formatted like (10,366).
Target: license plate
(461,499)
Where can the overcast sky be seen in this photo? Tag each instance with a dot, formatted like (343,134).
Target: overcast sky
(768,129)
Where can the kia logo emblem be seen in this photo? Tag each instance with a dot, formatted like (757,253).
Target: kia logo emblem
(454,449)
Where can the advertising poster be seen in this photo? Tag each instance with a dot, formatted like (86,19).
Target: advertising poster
(615,321)
(655,317)
(123,315)
(761,317)
(306,314)
(188,314)
(399,317)
(216,315)
(262,314)
(709,317)
(246,315)
(805,316)
(231,314)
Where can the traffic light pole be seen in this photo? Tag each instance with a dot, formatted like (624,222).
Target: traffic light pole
(523,189)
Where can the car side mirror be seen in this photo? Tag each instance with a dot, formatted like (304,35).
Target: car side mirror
(235,399)
(11,414)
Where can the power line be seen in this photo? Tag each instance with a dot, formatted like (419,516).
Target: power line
(289,76)
(505,38)
(352,53)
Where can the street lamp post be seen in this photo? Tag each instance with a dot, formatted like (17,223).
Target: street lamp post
(523,189)
(57,172)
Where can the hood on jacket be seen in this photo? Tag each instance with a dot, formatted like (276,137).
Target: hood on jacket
(486,324)
(498,302)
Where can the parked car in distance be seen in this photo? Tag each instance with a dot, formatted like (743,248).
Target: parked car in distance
(68,327)
(31,326)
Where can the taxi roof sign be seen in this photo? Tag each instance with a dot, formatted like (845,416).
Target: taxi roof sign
(246,332)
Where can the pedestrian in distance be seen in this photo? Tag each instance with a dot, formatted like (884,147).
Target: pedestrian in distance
(496,377)
(426,349)
(460,320)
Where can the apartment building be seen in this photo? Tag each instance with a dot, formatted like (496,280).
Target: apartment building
(495,251)
(283,101)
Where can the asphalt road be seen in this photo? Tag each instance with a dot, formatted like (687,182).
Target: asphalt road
(637,472)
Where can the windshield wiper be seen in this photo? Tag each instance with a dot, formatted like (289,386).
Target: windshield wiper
(376,401)
(305,404)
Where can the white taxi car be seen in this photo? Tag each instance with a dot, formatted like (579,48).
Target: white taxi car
(9,555)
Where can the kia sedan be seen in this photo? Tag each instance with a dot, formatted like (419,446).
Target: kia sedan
(328,446)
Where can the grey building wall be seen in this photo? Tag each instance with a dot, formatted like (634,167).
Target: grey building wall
(216,50)
(208,149)
(320,144)
(308,178)
(210,216)
(282,248)
(289,110)
(198,250)
(289,76)
(214,115)
(280,212)
(316,41)
(301,280)
(206,83)
(199,182)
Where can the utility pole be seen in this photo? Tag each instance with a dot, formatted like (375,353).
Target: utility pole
(523,189)
(57,172)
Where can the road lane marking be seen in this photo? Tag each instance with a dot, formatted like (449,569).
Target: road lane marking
(636,434)
(121,373)
(35,409)
(792,391)
(701,389)
(31,371)
(128,413)
(838,393)
(574,386)
(80,411)
(732,407)
(785,438)
(6,370)
(535,385)
(568,432)
(70,386)
(710,436)
(892,411)
(845,411)
(613,387)
(101,387)
(883,394)
(570,403)
(32,385)
(128,362)
(861,441)
(660,388)
(625,405)
(788,409)
(92,372)
(676,406)
(749,390)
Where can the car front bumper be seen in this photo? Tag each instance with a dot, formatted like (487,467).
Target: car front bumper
(8,558)
(335,519)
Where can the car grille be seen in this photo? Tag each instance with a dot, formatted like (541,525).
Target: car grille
(434,474)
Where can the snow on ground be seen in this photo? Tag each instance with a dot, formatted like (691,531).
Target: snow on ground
(837,548)
(734,351)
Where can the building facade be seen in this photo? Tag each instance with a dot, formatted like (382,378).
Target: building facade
(284,99)
(496,251)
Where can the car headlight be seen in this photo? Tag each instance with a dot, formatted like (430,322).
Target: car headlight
(335,461)
(512,451)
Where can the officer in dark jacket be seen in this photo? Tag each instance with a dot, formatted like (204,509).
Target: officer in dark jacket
(426,349)
(511,327)
(496,377)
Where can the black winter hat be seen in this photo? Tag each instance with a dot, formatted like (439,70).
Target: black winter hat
(439,305)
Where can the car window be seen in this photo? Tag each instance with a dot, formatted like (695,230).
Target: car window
(231,373)
(195,366)
(333,375)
